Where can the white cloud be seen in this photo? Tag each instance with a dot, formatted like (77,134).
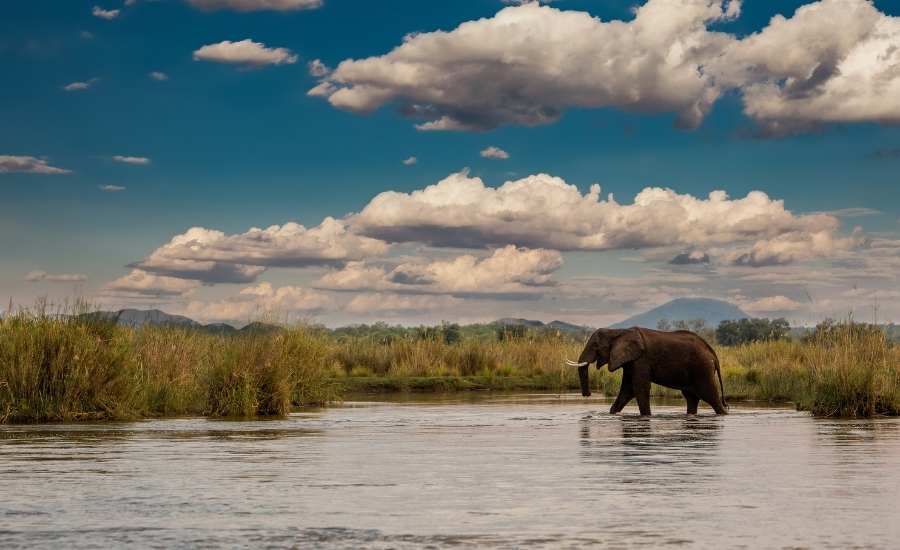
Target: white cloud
(80,86)
(213,256)
(32,165)
(131,160)
(376,304)
(158,76)
(494,153)
(257,5)
(262,300)
(86,35)
(796,246)
(43,276)
(110,188)
(317,68)
(245,52)
(528,63)
(831,61)
(770,304)
(410,161)
(97,11)
(543,211)
(507,272)
(141,283)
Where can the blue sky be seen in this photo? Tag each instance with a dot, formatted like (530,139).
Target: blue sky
(234,146)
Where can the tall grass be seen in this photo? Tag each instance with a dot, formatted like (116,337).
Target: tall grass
(59,368)
(843,372)
(70,368)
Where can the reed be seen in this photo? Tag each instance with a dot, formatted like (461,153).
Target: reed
(69,367)
(55,368)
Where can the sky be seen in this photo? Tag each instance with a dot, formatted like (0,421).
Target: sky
(348,162)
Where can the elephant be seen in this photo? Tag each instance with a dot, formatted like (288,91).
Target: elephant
(681,360)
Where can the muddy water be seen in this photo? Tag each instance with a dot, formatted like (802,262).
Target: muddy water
(501,471)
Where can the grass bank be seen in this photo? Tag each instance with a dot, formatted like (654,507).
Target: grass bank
(74,368)
(54,369)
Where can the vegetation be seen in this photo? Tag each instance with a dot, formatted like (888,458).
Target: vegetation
(745,331)
(56,368)
(60,368)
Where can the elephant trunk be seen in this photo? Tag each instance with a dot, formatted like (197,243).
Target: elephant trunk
(583,379)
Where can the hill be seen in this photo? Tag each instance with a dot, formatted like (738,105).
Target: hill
(530,323)
(139,317)
(683,309)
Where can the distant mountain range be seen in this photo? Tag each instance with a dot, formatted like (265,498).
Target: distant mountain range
(682,309)
(685,309)
(141,317)
(711,311)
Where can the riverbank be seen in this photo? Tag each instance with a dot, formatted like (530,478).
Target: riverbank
(66,369)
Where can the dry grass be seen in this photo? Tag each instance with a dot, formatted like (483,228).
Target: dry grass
(60,369)
(56,368)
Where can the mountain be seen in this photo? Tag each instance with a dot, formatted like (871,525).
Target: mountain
(139,317)
(684,309)
(514,321)
(552,325)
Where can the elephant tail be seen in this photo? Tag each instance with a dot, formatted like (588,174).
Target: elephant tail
(721,385)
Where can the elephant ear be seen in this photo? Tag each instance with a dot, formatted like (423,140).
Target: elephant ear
(625,348)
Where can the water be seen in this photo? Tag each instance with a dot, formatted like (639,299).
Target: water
(487,471)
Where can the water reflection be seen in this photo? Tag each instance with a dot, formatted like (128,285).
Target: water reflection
(665,453)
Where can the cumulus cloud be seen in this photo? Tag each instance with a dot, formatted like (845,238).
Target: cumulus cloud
(141,283)
(214,256)
(43,276)
(796,246)
(507,272)
(260,300)
(159,76)
(528,63)
(830,61)
(30,165)
(97,11)
(244,52)
(131,160)
(317,69)
(542,211)
(410,161)
(111,188)
(256,5)
(494,153)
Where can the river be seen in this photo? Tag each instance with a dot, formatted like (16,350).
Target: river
(497,470)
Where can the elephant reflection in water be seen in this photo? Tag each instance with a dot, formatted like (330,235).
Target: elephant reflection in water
(682,448)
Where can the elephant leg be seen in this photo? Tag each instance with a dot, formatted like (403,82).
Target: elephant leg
(640,384)
(692,401)
(625,395)
(710,394)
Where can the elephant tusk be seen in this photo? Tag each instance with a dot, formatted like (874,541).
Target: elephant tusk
(574,364)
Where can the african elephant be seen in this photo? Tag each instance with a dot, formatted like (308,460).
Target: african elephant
(680,360)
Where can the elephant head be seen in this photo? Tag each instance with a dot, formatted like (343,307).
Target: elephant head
(607,346)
